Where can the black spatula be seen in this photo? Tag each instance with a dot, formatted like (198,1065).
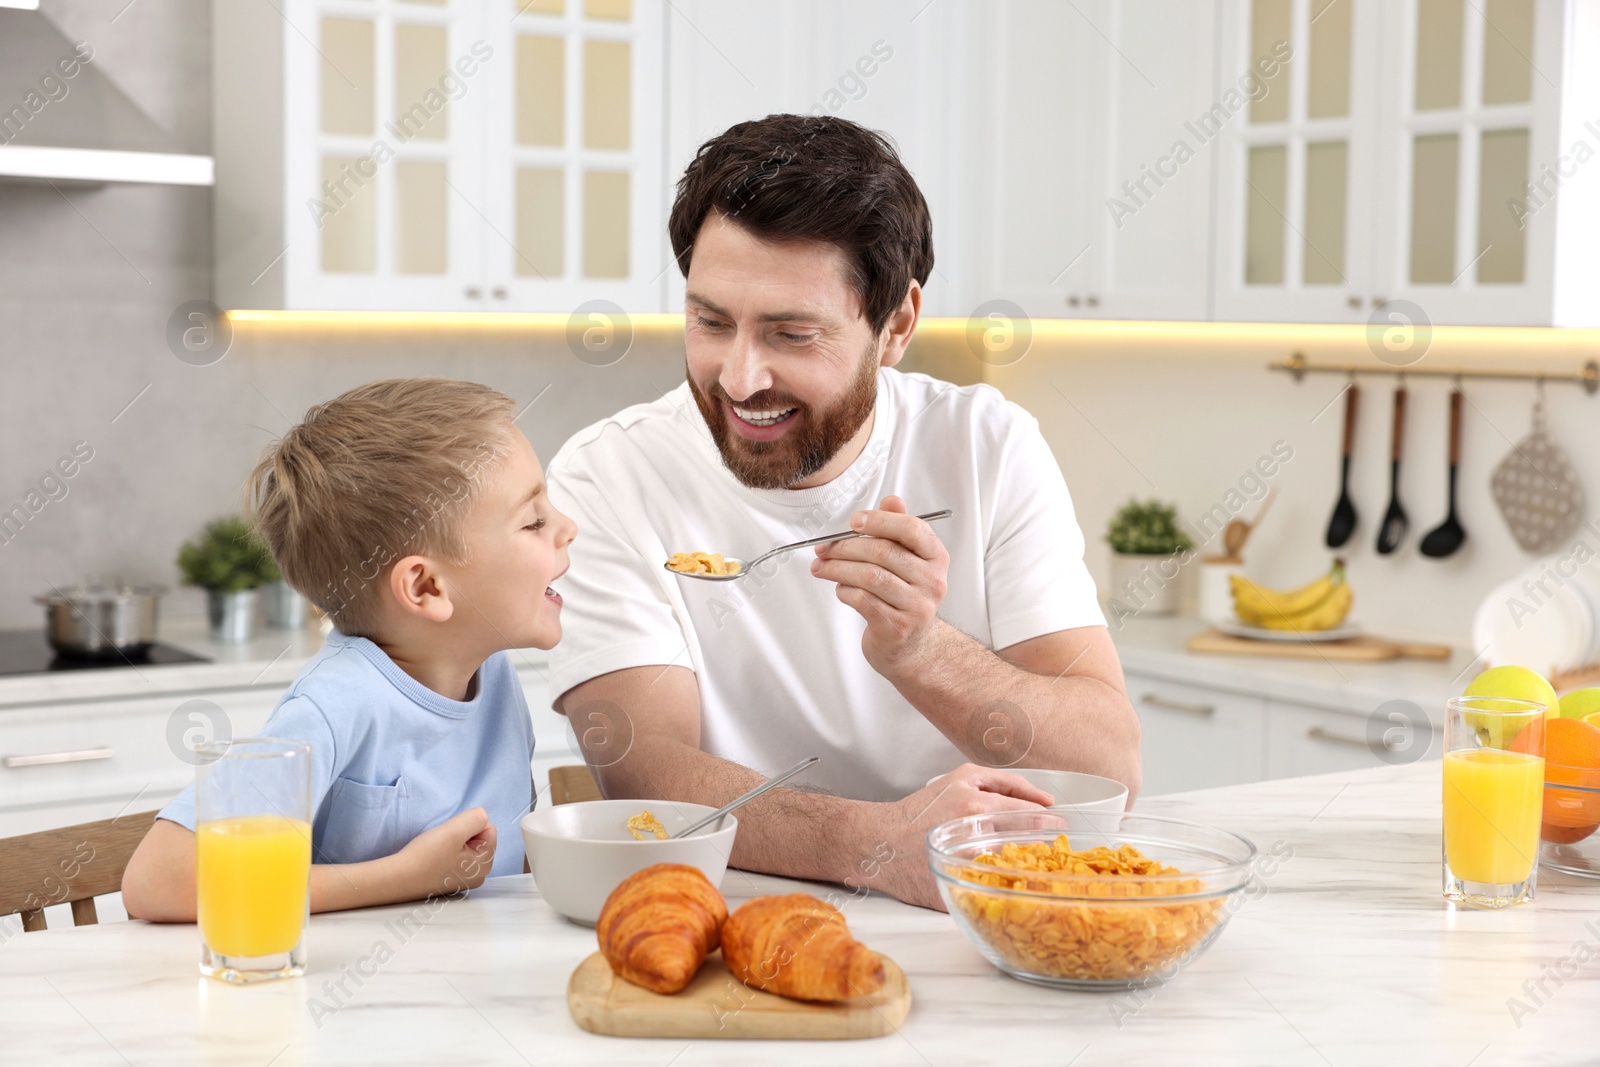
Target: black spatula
(1395,523)
(1342,523)
(1443,540)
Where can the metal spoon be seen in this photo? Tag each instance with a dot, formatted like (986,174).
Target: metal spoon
(1444,539)
(745,568)
(1343,521)
(1395,523)
(770,783)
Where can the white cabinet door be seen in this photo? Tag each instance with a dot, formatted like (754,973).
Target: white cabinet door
(1152,76)
(58,762)
(1304,740)
(1194,737)
(1295,195)
(574,195)
(1035,190)
(383,176)
(903,69)
(1470,113)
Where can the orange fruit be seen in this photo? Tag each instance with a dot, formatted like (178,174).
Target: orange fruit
(1567,742)
(1565,835)
(1571,757)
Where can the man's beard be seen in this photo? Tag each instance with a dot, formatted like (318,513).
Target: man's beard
(808,445)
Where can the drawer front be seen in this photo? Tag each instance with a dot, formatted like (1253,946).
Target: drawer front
(1195,737)
(64,753)
(1303,740)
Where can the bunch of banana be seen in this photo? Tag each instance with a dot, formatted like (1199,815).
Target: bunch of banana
(1322,605)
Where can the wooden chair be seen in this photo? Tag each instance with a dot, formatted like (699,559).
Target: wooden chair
(568,785)
(72,865)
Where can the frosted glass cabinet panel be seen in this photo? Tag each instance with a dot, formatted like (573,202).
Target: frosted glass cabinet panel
(1292,210)
(438,155)
(1388,154)
(1478,106)
(573,175)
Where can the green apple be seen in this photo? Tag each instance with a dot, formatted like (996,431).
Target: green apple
(1580,702)
(1515,683)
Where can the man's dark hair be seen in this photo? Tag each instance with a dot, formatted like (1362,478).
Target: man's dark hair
(801,177)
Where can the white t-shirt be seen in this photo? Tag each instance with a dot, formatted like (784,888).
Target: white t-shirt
(777,657)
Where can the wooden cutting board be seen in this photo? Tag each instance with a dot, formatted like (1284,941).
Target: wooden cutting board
(715,1005)
(1360,649)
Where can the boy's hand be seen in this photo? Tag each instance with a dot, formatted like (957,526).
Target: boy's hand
(453,856)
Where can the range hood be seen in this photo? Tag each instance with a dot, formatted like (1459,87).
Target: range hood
(63,120)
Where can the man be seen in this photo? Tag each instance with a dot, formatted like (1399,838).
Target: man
(920,651)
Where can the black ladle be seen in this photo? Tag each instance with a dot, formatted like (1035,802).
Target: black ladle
(1343,521)
(1444,539)
(1395,523)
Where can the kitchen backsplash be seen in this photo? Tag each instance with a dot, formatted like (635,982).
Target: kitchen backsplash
(91,278)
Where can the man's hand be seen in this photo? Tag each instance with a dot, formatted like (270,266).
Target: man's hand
(453,856)
(895,577)
(898,864)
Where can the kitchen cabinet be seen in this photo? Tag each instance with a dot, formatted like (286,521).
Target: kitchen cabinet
(1197,737)
(440,155)
(1201,736)
(1094,197)
(1305,740)
(1386,155)
(70,762)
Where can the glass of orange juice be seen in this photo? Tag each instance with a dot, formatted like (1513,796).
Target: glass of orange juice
(1493,796)
(253,857)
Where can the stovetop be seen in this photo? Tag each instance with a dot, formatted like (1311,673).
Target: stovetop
(27,652)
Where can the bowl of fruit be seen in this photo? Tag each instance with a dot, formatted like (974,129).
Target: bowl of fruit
(1571,815)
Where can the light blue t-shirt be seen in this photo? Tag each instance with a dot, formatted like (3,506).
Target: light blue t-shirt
(391,758)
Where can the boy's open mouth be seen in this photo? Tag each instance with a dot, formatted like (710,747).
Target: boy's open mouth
(551,594)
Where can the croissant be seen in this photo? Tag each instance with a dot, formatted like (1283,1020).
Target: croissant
(798,947)
(656,928)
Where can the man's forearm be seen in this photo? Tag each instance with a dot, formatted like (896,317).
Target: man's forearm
(1000,714)
(785,832)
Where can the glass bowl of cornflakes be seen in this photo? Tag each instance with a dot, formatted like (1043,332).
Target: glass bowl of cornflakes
(1088,901)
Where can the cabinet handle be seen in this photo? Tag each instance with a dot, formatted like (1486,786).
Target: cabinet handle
(1093,301)
(1202,710)
(1073,301)
(81,756)
(1317,733)
(1379,301)
(501,292)
(1353,300)
(473,292)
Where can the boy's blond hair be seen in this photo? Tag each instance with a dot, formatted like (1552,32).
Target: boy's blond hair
(385,470)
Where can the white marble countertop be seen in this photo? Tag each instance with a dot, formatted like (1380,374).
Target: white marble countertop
(1343,954)
(271,659)
(1157,646)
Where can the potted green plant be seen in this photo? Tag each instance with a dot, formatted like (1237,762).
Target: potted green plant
(230,563)
(1148,547)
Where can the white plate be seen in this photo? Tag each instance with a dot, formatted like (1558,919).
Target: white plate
(1261,633)
(1550,629)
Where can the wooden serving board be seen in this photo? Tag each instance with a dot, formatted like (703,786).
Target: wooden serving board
(715,1005)
(1360,649)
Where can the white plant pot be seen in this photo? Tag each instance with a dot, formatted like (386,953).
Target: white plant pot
(1145,585)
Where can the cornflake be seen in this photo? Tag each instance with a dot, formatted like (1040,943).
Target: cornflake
(1094,942)
(701,563)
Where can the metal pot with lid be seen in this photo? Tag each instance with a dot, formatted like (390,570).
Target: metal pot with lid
(101,620)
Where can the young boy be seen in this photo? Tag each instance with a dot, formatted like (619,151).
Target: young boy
(414,513)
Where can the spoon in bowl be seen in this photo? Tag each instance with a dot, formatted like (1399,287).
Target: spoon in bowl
(739,801)
(742,568)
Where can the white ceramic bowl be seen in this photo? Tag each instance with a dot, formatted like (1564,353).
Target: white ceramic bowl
(580,852)
(1074,790)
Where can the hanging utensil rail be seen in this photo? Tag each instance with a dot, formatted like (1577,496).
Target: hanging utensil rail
(1297,366)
